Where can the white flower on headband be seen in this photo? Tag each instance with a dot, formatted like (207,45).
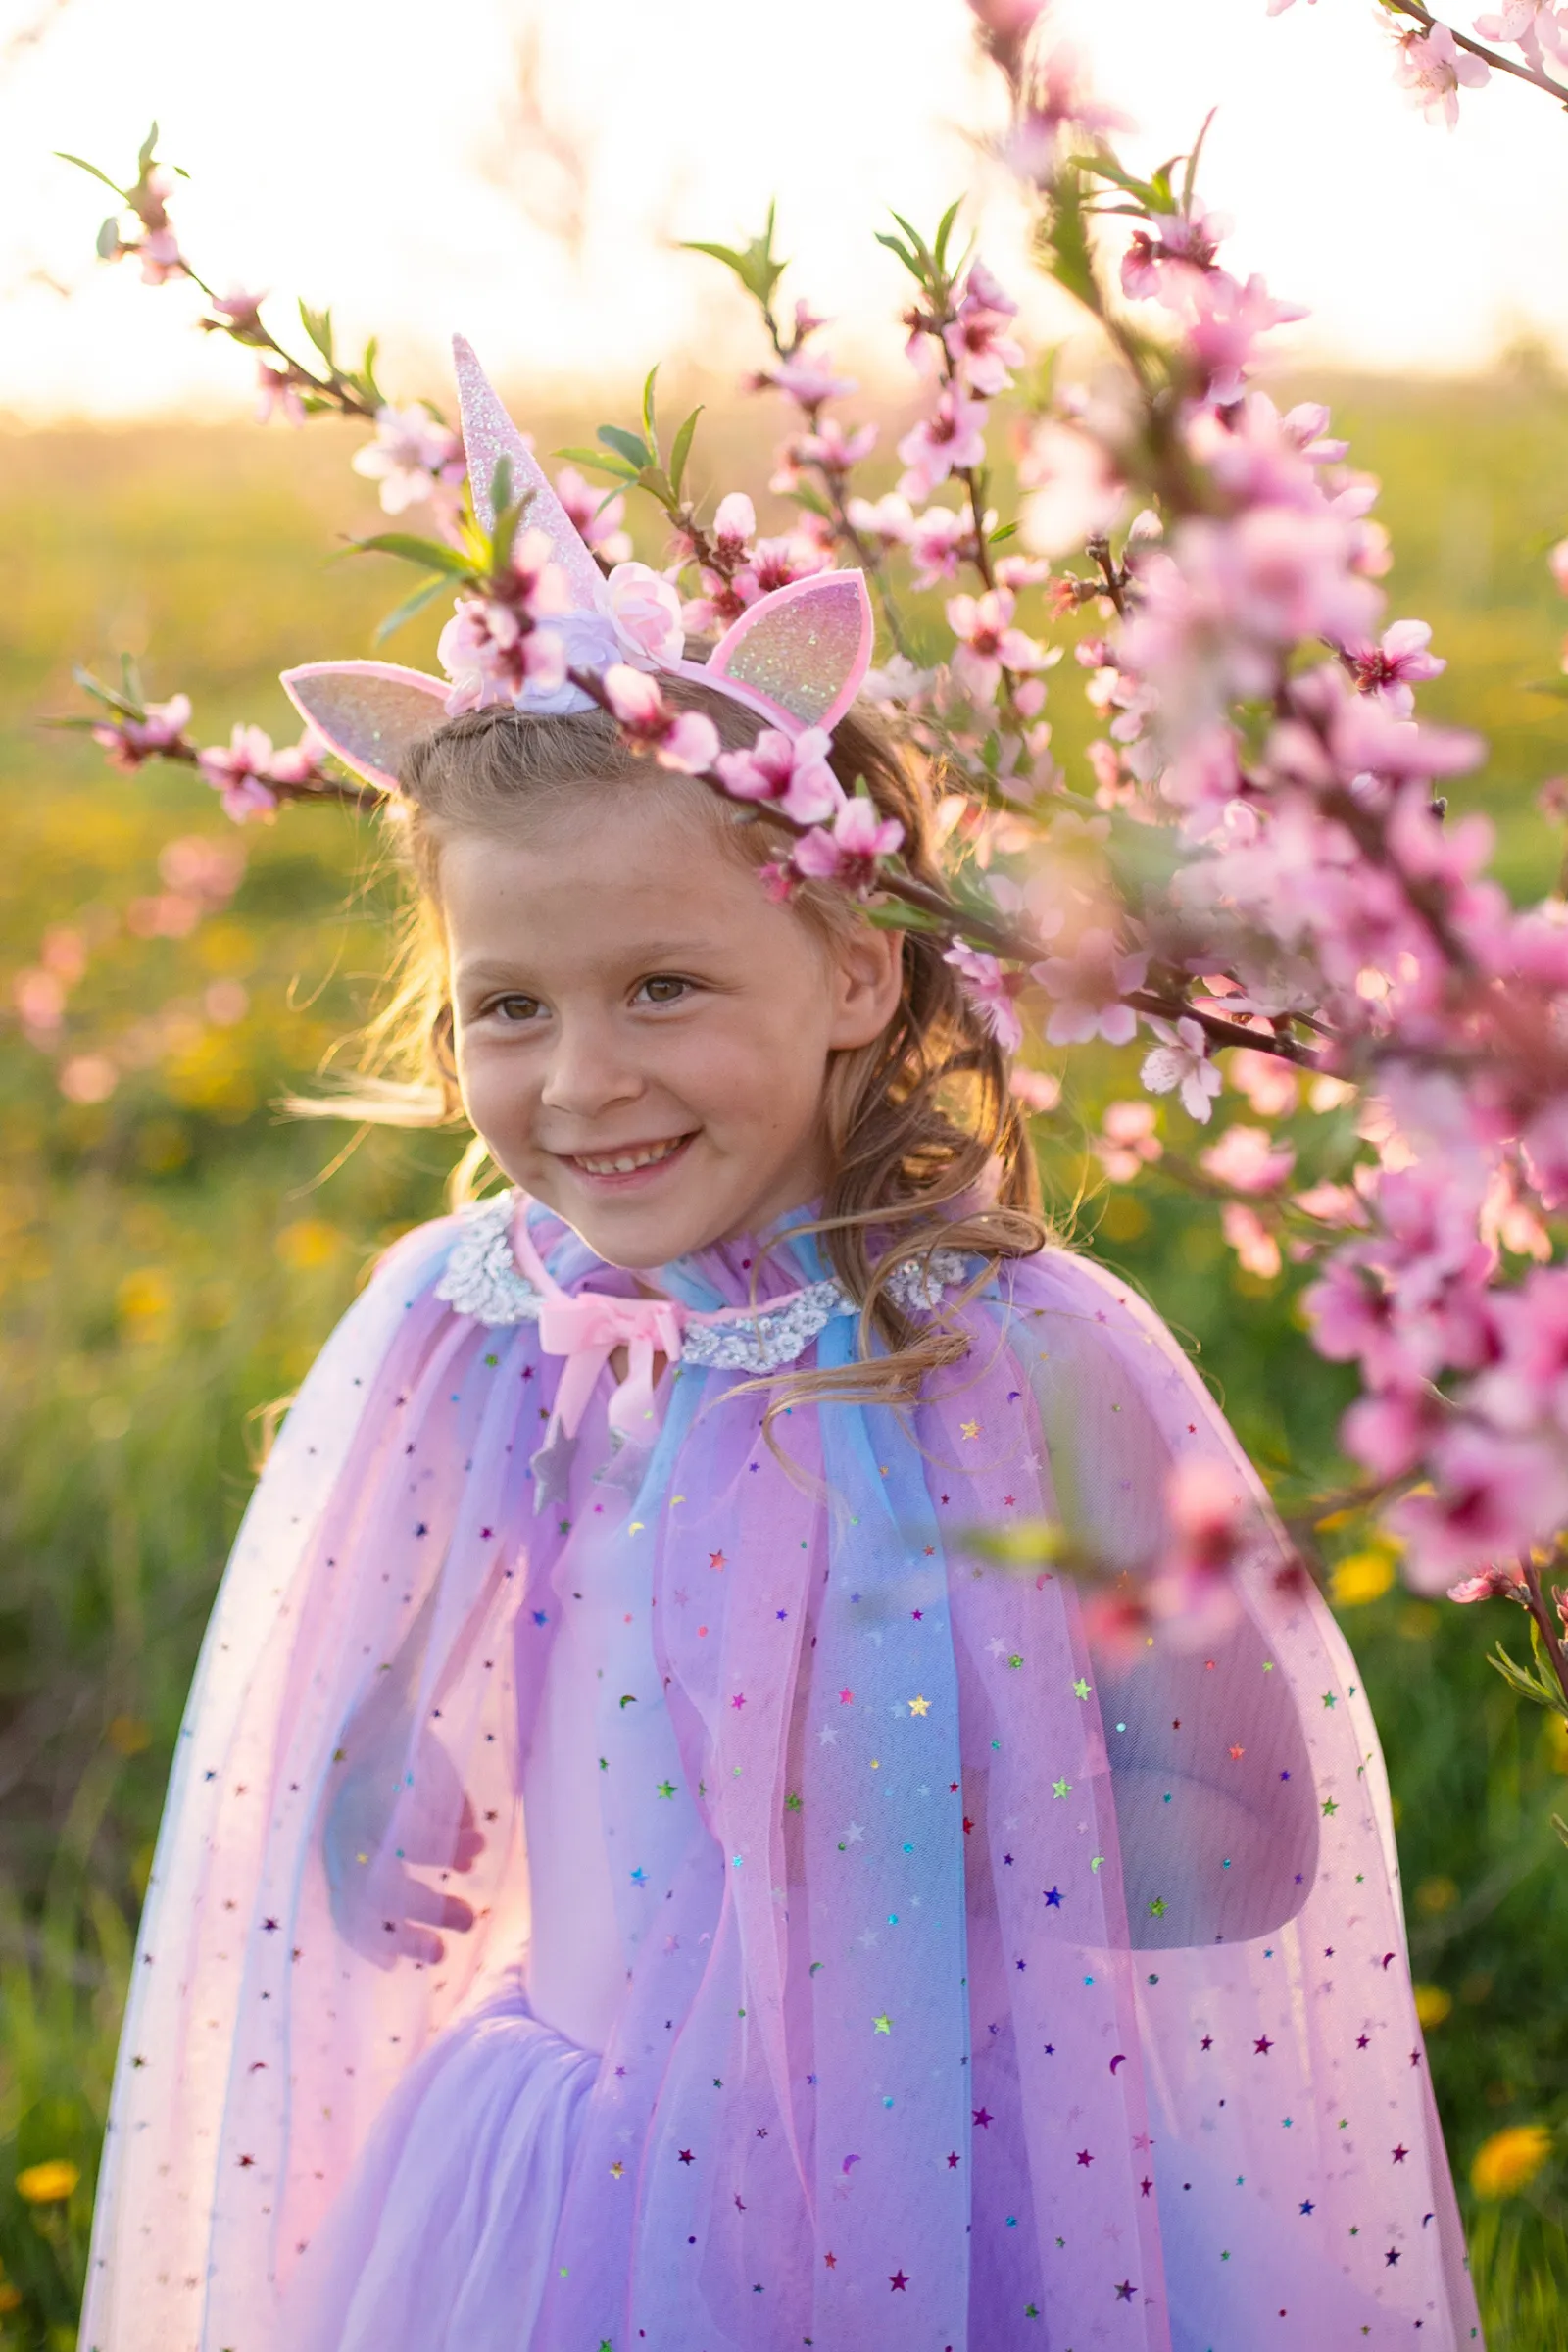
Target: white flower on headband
(646,611)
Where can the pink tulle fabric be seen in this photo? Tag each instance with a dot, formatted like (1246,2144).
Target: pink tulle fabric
(860,1960)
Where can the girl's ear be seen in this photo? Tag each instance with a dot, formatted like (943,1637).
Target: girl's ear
(368,713)
(867,980)
(803,650)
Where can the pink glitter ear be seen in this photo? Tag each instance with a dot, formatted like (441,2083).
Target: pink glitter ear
(489,434)
(368,713)
(803,650)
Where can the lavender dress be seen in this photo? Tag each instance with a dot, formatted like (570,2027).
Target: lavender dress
(860,1960)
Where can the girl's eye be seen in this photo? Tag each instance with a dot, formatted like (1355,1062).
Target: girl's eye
(665,989)
(514,1008)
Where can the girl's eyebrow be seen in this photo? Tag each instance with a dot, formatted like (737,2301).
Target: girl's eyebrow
(642,955)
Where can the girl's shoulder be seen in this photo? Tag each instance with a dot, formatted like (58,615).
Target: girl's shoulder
(1062,1306)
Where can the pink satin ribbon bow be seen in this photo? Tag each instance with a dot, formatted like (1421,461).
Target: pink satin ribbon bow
(586,1329)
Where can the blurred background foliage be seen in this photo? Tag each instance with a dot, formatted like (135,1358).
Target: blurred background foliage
(173,1250)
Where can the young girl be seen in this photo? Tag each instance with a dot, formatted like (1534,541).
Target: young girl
(653,1858)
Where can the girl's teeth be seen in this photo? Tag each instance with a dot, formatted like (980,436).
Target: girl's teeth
(625,1161)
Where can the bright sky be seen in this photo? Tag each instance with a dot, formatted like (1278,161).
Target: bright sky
(376,153)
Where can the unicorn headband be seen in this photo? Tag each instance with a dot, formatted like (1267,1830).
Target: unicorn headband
(795,658)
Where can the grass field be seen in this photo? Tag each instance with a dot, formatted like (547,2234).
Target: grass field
(173,1251)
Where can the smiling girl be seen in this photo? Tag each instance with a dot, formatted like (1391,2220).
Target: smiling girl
(661,1851)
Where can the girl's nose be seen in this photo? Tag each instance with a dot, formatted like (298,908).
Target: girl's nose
(589,1071)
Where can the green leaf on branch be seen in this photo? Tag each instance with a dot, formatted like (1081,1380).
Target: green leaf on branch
(433,554)
(616,467)
(682,450)
(650,422)
(1536,1682)
(317,324)
(898,246)
(424,594)
(657,483)
(126,705)
(1067,255)
(83,164)
(945,232)
(804,496)
(629,446)
(147,152)
(756,264)
(1005,530)
(366,375)
(892,915)
(1191,175)
(107,241)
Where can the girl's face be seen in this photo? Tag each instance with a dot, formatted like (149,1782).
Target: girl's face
(642,1035)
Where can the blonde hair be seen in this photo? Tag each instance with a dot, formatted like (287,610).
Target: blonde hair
(928,1146)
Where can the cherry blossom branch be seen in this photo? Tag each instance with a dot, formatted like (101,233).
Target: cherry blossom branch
(1491,58)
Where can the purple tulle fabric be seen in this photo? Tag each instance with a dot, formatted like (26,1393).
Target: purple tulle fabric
(859,1961)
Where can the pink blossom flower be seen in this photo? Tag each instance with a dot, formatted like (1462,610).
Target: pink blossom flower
(684,740)
(1180,1064)
(1330,1204)
(1529,1384)
(1396,663)
(1091,983)
(939,541)
(991,990)
(128,742)
(809,377)
(1192,1588)
(1127,1143)
(1433,68)
(885,521)
(160,257)
(1058,104)
(1039,1090)
(734,522)
(831,448)
(412,457)
(646,611)
(1074,492)
(777,563)
(1533,26)
(794,775)
(599,521)
(1249,1159)
(1257,1250)
(1493,1497)
(239,773)
(1493,1583)
(1173,241)
(276,396)
(948,441)
(1307,426)
(490,658)
(849,854)
(1268,1082)
(1559,561)
(1009,19)
(239,311)
(980,342)
(1227,321)
(299,762)
(988,642)
(1389,1432)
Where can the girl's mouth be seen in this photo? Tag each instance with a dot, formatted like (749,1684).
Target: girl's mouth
(632,1164)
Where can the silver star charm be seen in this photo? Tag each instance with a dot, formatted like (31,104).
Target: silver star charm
(551,1467)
